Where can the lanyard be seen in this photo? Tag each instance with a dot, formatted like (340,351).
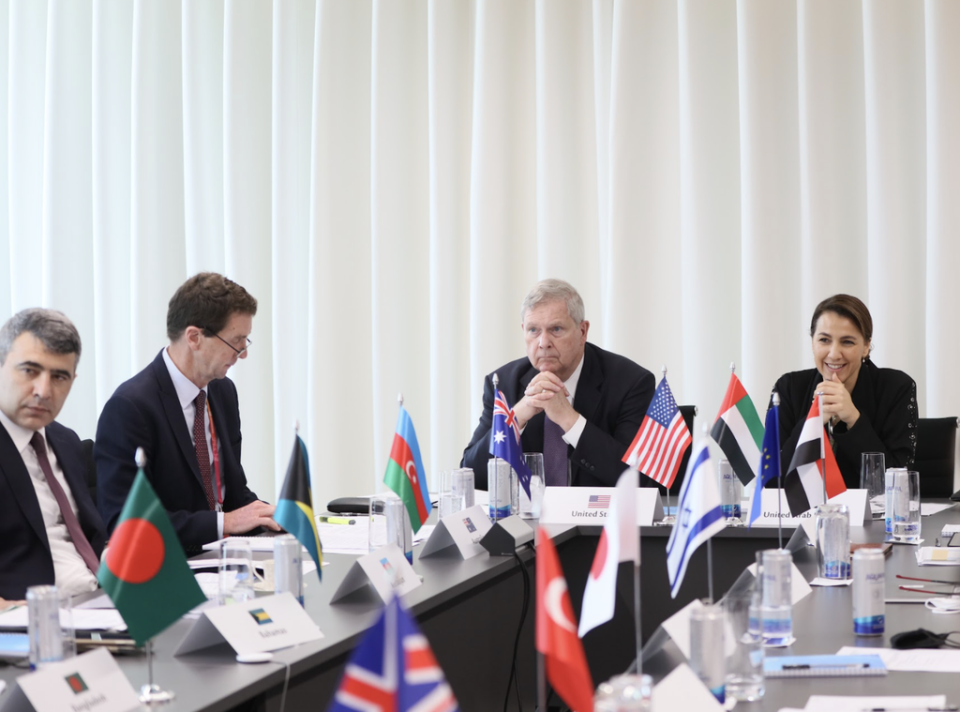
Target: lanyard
(216,457)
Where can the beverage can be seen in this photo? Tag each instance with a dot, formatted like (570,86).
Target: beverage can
(288,566)
(868,592)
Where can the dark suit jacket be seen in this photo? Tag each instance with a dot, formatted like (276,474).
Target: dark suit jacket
(25,558)
(613,394)
(145,412)
(887,401)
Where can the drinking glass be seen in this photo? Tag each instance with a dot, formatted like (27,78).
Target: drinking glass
(872,469)
(833,541)
(731,492)
(530,506)
(906,506)
(390,524)
(707,657)
(236,571)
(744,651)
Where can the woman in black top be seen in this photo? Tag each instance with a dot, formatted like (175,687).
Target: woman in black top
(865,408)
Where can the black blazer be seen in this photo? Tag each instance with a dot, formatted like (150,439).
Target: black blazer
(887,401)
(145,412)
(25,558)
(613,394)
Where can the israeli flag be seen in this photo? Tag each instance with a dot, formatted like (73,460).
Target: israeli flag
(699,515)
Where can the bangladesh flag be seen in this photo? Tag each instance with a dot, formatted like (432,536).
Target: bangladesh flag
(738,431)
(144,570)
(294,511)
(405,473)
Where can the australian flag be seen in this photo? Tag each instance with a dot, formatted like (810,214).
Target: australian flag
(505,439)
(393,670)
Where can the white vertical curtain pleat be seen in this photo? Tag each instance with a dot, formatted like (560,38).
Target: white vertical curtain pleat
(388,179)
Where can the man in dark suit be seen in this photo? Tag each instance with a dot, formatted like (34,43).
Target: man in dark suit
(579,405)
(193,461)
(50,530)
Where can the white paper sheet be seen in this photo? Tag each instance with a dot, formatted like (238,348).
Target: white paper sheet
(919,660)
(83,619)
(928,508)
(820,581)
(837,703)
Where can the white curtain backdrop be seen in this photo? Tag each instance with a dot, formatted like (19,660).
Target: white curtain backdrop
(389,178)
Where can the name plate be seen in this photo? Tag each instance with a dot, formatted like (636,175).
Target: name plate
(257,626)
(590,505)
(386,569)
(856,501)
(464,529)
(92,682)
(799,588)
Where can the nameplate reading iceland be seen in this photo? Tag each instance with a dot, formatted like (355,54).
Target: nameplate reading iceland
(591,505)
(258,626)
(92,682)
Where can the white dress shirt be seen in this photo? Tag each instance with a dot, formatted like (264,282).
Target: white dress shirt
(70,572)
(187,393)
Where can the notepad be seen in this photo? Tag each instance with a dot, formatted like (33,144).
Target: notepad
(824,666)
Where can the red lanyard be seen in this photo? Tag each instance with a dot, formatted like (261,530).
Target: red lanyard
(216,456)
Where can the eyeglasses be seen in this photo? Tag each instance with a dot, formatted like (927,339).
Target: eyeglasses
(238,352)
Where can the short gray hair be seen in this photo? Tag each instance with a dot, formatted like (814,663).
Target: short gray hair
(549,290)
(54,330)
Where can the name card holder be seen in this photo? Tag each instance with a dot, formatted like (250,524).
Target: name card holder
(590,505)
(770,511)
(463,529)
(257,626)
(386,569)
(92,682)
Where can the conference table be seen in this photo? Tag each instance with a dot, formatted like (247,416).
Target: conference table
(470,612)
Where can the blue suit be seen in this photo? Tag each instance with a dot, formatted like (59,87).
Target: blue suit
(25,558)
(145,412)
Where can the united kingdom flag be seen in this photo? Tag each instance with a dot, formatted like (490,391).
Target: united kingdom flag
(393,670)
(505,439)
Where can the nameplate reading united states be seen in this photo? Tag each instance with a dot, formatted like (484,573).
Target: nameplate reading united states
(591,505)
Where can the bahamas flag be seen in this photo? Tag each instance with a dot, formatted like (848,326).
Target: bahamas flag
(294,511)
(144,570)
(405,473)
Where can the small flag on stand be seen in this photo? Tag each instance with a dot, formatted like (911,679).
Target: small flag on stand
(393,670)
(738,430)
(505,439)
(557,639)
(619,542)
(405,474)
(699,515)
(804,483)
(144,570)
(661,440)
(294,510)
(769,459)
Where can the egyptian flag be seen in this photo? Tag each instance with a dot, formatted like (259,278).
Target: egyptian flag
(738,431)
(405,474)
(619,541)
(294,511)
(144,570)
(804,481)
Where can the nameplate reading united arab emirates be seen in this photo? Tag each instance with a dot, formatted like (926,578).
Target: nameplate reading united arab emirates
(591,505)
(92,682)
(770,511)
(464,529)
(386,569)
(257,626)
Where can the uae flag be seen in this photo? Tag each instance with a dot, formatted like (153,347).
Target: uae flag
(619,542)
(295,507)
(812,463)
(144,570)
(405,473)
(738,431)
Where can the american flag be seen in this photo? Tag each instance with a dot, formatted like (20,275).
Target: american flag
(505,439)
(661,440)
(599,501)
(393,670)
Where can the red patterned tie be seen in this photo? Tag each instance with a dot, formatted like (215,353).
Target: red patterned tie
(66,511)
(200,443)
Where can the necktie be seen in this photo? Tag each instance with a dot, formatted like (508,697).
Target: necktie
(66,511)
(200,443)
(554,454)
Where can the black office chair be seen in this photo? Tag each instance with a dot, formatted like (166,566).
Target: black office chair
(934,459)
(689,412)
(86,449)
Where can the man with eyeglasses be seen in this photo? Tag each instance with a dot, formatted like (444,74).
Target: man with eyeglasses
(184,413)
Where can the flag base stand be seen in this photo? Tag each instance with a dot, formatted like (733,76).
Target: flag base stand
(153,695)
(668,521)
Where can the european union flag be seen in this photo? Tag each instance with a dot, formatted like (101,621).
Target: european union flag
(769,460)
(505,439)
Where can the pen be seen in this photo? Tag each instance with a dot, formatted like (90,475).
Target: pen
(948,708)
(337,520)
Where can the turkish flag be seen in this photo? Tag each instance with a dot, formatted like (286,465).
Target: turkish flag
(557,638)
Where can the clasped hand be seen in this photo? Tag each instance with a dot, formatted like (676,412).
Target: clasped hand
(837,402)
(547,393)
